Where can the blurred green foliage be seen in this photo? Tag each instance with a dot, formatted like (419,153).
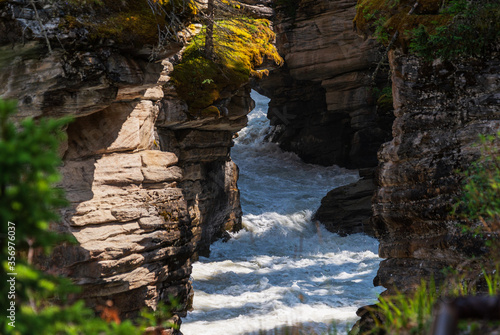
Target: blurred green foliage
(28,199)
(479,203)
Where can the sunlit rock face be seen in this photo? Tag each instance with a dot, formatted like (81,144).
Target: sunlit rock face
(440,110)
(210,177)
(322,100)
(149,187)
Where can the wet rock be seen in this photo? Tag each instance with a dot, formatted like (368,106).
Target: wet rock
(347,209)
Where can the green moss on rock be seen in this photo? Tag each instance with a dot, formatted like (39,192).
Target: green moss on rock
(240,46)
(474,31)
(437,28)
(382,18)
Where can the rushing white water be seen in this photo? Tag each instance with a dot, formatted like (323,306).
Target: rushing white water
(282,268)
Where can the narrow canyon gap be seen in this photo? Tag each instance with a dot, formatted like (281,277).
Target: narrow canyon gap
(283,268)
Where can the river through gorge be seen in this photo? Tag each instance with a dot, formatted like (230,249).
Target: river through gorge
(282,268)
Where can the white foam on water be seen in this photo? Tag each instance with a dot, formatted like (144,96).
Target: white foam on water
(282,268)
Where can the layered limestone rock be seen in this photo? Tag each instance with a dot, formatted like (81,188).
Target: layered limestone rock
(203,147)
(149,187)
(440,109)
(127,212)
(322,102)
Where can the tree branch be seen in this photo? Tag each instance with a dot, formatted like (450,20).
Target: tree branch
(37,17)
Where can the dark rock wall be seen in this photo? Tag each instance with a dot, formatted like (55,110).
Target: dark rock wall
(440,109)
(322,101)
(203,147)
(348,209)
(323,109)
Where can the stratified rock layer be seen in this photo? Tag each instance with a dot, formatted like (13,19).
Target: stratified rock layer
(440,109)
(210,177)
(149,187)
(322,102)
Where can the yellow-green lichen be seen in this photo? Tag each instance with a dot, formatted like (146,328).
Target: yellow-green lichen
(240,46)
(130,21)
(70,22)
(180,7)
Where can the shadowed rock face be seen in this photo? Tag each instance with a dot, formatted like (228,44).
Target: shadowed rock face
(323,110)
(149,188)
(210,177)
(347,209)
(440,109)
(322,102)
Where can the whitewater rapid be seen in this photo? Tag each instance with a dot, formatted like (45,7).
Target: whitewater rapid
(282,268)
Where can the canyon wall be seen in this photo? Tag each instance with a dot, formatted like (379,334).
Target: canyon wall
(322,101)
(440,108)
(323,108)
(149,186)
